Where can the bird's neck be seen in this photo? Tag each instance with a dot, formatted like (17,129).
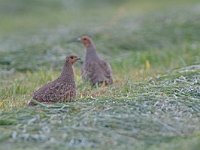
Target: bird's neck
(67,72)
(91,52)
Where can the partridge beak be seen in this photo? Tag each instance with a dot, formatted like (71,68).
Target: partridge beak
(79,60)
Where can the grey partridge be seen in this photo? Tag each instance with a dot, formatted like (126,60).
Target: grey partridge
(60,90)
(95,69)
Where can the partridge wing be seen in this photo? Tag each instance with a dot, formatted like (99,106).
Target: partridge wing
(106,68)
(61,92)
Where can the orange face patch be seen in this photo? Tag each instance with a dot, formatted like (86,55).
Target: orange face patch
(86,41)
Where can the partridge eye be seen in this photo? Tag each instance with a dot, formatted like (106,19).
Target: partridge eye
(84,39)
(72,57)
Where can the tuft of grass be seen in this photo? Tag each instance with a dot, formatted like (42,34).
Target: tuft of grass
(7,122)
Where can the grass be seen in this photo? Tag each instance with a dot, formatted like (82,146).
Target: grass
(153,48)
(162,112)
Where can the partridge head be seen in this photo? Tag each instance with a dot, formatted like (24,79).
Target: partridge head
(72,59)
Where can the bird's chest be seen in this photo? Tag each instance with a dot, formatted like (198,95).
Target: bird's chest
(91,63)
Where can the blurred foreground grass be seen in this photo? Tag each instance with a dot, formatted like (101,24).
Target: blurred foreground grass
(143,40)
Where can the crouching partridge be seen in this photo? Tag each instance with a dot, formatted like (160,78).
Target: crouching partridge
(95,69)
(62,89)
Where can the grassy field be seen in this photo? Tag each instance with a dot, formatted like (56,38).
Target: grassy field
(153,47)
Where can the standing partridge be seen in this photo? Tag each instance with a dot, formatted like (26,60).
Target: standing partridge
(95,69)
(60,90)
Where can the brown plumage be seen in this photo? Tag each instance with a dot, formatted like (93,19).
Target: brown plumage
(95,69)
(62,89)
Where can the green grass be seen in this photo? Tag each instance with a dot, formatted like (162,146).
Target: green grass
(153,47)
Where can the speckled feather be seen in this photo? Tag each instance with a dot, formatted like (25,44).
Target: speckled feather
(56,91)
(60,90)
